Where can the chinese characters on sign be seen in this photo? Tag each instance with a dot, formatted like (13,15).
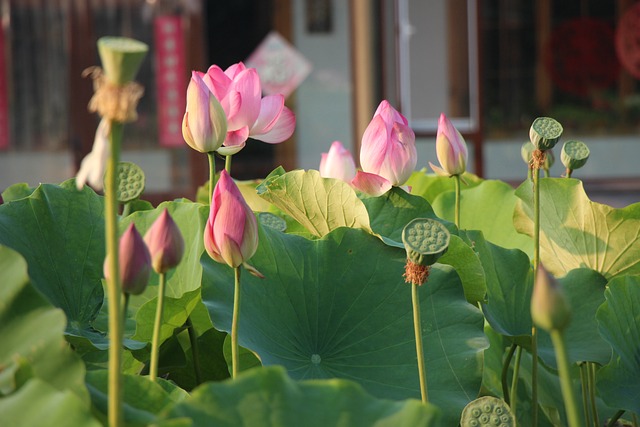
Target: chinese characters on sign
(171,83)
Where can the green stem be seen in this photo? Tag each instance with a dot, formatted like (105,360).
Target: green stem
(114,287)
(457,205)
(227,164)
(505,373)
(536,263)
(195,355)
(634,419)
(514,381)
(126,209)
(155,343)
(235,368)
(568,173)
(565,378)
(417,328)
(212,173)
(584,380)
(612,422)
(125,308)
(591,372)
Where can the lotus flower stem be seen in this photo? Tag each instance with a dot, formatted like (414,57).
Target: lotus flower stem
(227,164)
(614,420)
(634,418)
(457,205)
(568,173)
(126,209)
(514,380)
(193,338)
(584,380)
(417,326)
(591,372)
(565,378)
(235,368)
(155,343)
(125,308)
(113,283)
(212,173)
(536,263)
(505,371)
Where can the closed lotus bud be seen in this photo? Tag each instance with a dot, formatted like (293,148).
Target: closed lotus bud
(204,125)
(549,307)
(165,243)
(338,163)
(450,149)
(389,146)
(545,133)
(134,262)
(231,231)
(574,154)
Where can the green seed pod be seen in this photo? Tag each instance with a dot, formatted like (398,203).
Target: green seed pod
(574,154)
(526,151)
(425,240)
(121,57)
(131,182)
(545,133)
(274,221)
(487,411)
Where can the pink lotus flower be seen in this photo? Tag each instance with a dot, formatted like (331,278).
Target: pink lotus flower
(389,146)
(134,261)
(450,149)
(165,243)
(204,125)
(248,114)
(338,163)
(231,231)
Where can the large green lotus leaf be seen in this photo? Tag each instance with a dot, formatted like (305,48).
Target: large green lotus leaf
(16,192)
(392,211)
(268,397)
(509,284)
(619,323)
(487,207)
(584,289)
(339,307)
(319,204)
(31,332)
(60,232)
(576,232)
(429,186)
(143,399)
(38,403)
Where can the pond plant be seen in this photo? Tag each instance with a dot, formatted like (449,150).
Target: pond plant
(384,296)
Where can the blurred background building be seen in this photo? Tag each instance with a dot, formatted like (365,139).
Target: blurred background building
(490,65)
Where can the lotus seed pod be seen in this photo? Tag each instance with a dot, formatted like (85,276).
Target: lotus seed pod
(549,308)
(487,411)
(574,154)
(121,58)
(274,221)
(526,151)
(545,133)
(131,182)
(425,240)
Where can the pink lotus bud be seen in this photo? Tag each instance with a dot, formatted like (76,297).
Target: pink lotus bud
(389,146)
(135,262)
(204,125)
(450,149)
(231,232)
(165,243)
(338,163)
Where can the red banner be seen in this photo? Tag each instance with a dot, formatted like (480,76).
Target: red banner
(171,83)
(4,104)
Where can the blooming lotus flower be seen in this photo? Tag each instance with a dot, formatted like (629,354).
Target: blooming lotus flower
(204,125)
(93,165)
(389,146)
(165,243)
(134,262)
(338,163)
(248,114)
(231,231)
(450,149)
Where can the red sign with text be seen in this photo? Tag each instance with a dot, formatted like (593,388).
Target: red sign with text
(4,104)
(171,84)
